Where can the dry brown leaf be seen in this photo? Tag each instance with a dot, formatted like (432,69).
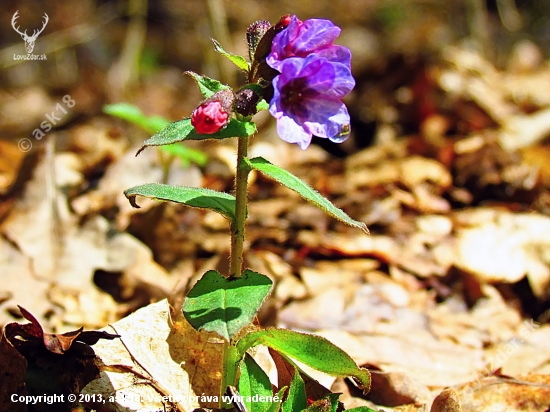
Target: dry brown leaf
(413,353)
(153,359)
(518,394)
(500,246)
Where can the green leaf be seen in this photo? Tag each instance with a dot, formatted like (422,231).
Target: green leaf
(254,381)
(134,115)
(262,105)
(312,350)
(183,130)
(296,399)
(224,305)
(361,409)
(220,202)
(185,154)
(276,406)
(207,86)
(303,189)
(237,60)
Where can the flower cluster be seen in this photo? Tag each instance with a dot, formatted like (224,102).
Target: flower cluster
(314,76)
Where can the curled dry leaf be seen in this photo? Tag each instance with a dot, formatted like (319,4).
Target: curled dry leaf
(32,334)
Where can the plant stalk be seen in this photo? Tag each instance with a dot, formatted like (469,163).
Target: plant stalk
(237,227)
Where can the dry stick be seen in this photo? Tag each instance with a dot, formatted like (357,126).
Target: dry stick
(218,25)
(478,20)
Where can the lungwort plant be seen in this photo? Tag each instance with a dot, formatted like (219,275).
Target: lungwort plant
(298,74)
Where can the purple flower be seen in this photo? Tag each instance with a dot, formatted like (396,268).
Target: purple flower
(300,39)
(306,99)
(314,76)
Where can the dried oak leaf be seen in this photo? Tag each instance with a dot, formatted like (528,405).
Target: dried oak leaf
(30,334)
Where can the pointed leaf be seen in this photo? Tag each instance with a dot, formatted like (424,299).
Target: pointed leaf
(312,350)
(296,399)
(237,60)
(303,189)
(220,202)
(134,115)
(224,305)
(183,130)
(207,86)
(254,381)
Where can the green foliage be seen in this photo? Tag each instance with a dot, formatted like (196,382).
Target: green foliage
(207,86)
(220,202)
(237,60)
(313,351)
(133,114)
(184,130)
(303,189)
(296,399)
(254,381)
(225,306)
(152,125)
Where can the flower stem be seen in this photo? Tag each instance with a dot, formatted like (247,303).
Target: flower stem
(237,227)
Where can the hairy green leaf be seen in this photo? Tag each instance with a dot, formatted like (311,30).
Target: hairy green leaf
(207,86)
(220,202)
(184,130)
(303,189)
(312,350)
(237,60)
(254,381)
(224,305)
(296,399)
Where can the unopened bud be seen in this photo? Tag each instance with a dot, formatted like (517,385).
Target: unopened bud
(209,117)
(254,34)
(245,102)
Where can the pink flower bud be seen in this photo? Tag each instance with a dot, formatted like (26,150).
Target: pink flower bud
(209,118)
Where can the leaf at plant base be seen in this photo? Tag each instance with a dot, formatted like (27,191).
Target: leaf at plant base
(207,86)
(314,351)
(237,60)
(220,202)
(303,189)
(285,371)
(225,306)
(184,130)
(277,400)
(134,115)
(254,381)
(296,399)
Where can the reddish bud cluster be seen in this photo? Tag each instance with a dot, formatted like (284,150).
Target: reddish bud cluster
(209,118)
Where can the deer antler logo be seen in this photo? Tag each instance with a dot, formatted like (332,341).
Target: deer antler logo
(29,40)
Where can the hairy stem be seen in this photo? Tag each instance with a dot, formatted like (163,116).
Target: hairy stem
(237,227)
